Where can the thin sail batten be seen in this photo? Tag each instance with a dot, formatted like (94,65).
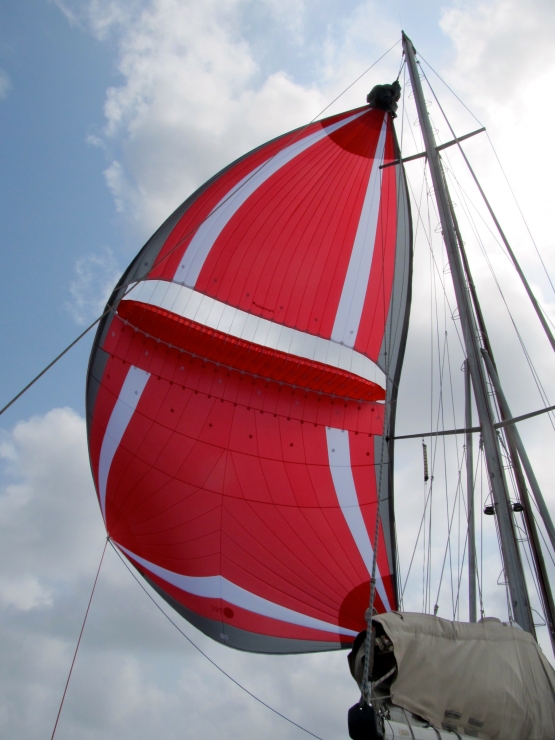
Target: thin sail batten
(236,396)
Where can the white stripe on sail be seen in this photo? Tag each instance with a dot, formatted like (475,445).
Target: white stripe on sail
(351,303)
(122,412)
(339,454)
(214,314)
(218,587)
(196,253)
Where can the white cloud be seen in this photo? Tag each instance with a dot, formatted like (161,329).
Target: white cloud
(5,84)
(502,46)
(191,102)
(100,16)
(135,675)
(194,95)
(95,276)
(47,483)
(505,70)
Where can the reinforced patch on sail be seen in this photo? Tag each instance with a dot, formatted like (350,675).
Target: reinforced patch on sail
(241,390)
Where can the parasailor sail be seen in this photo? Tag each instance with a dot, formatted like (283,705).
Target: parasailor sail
(241,391)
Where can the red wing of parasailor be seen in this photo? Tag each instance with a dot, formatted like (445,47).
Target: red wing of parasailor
(236,395)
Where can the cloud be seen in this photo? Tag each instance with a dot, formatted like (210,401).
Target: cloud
(195,95)
(205,82)
(99,16)
(135,675)
(5,84)
(95,276)
(47,481)
(504,70)
(502,45)
(500,65)
(191,102)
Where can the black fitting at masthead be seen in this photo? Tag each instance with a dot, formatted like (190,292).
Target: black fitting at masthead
(385,97)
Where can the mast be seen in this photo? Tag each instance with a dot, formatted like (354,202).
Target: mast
(511,557)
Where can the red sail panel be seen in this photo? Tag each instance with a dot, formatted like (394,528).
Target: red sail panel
(237,424)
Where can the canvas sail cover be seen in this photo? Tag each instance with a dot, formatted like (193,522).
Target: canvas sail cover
(241,390)
(486,680)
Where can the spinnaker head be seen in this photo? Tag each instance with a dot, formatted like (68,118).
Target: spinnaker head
(385,97)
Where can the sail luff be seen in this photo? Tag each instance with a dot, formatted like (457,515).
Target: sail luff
(520,603)
(391,358)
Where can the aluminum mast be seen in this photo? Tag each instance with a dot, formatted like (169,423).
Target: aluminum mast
(511,557)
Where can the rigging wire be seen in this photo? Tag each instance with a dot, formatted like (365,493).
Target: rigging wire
(464,554)
(443,355)
(492,233)
(535,375)
(426,521)
(524,539)
(446,475)
(526,545)
(450,90)
(355,81)
(506,249)
(521,213)
(417,540)
(426,544)
(54,361)
(479,467)
(450,516)
(499,162)
(457,603)
(503,573)
(183,238)
(425,529)
(462,502)
(443,447)
(420,220)
(542,535)
(79,640)
(205,655)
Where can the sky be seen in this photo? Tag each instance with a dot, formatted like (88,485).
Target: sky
(112,112)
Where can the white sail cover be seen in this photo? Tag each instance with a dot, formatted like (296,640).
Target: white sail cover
(486,680)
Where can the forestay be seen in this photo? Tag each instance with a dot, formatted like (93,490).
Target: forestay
(239,395)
